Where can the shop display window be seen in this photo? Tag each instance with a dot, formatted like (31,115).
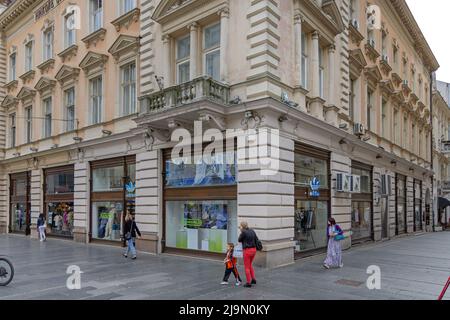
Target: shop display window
(60,218)
(60,183)
(201,225)
(361,220)
(401,205)
(107,220)
(307,168)
(19,218)
(108,179)
(311,220)
(206,172)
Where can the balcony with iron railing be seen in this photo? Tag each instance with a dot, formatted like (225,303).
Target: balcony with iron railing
(199,89)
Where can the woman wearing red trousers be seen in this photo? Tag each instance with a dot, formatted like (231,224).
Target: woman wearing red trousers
(248,239)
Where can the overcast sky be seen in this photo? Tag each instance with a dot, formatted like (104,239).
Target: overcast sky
(433,17)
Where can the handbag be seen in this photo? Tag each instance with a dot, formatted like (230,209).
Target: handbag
(128,234)
(339,237)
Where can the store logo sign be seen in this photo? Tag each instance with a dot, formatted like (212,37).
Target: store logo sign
(131,188)
(315,186)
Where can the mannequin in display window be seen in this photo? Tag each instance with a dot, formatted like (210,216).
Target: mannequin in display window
(109,225)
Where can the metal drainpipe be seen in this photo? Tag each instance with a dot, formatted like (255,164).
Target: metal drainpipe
(432,150)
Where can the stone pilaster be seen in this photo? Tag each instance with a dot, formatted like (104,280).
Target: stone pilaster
(3,202)
(148,197)
(147,83)
(193,29)
(81,202)
(36,200)
(377,218)
(410,204)
(266,202)
(391,206)
(341,203)
(224,38)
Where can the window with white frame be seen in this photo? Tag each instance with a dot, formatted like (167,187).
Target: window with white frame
(28,124)
(47,103)
(12,129)
(212,51)
(183,59)
(69,29)
(384,119)
(127,5)
(128,89)
(96,99)
(12,66)
(321,73)
(28,56)
(96,15)
(48,44)
(304,62)
(69,103)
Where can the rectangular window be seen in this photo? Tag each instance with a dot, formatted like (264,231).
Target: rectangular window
(69,98)
(383,43)
(96,99)
(397,127)
(369,109)
(69,30)
(47,117)
(419,142)
(128,88)
(405,133)
(413,81)
(384,119)
(352,100)
(96,15)
(395,56)
(321,74)
(12,128)
(48,44)
(127,5)
(413,138)
(12,66)
(212,51)
(29,56)
(183,59)
(28,124)
(304,62)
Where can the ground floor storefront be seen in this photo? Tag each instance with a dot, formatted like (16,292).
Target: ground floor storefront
(193,204)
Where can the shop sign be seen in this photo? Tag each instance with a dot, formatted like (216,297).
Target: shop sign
(315,186)
(48,6)
(131,189)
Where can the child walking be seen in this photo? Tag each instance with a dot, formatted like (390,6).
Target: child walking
(41,227)
(230,266)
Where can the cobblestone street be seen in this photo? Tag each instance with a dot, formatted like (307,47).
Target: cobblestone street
(414,267)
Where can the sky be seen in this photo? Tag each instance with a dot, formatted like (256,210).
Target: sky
(433,17)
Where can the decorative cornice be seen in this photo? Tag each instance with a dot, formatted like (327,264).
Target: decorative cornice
(9,101)
(396,78)
(127,19)
(26,93)
(46,66)
(356,36)
(11,85)
(93,59)
(94,37)
(385,67)
(68,53)
(371,52)
(67,73)
(45,84)
(14,11)
(124,44)
(27,76)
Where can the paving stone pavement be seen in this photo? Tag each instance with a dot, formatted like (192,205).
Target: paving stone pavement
(413,267)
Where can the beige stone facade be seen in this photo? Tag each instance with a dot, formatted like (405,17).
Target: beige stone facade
(345,100)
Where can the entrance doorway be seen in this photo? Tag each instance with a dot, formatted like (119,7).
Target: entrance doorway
(20,204)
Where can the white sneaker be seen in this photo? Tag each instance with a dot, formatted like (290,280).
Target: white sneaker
(326,266)
(238,283)
(224,283)
(341,266)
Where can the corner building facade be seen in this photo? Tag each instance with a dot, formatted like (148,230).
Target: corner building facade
(349,117)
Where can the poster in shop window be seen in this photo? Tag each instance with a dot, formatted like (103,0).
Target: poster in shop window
(206,215)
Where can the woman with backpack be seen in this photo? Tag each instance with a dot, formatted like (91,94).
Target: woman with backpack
(250,244)
(130,231)
(334,252)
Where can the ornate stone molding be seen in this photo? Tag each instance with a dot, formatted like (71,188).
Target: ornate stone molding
(92,60)
(45,84)
(12,85)
(385,67)
(26,93)
(68,53)
(66,74)
(46,66)
(371,52)
(127,19)
(94,37)
(123,45)
(9,102)
(27,76)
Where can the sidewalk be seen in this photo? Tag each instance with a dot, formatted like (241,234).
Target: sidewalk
(414,267)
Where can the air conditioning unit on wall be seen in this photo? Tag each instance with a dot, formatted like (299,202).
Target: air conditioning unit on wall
(358,129)
(356,184)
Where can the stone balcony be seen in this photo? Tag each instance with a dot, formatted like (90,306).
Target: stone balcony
(202,88)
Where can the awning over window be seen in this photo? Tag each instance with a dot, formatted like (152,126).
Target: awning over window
(443,203)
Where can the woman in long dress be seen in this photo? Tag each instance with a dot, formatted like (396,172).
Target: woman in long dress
(334,252)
